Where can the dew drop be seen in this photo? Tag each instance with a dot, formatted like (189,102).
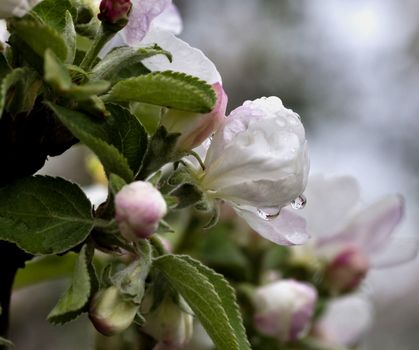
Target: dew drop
(299,203)
(269,213)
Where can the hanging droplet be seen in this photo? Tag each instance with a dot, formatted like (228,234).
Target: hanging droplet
(299,202)
(269,213)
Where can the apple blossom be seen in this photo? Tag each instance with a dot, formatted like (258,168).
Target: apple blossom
(258,157)
(17,8)
(139,208)
(110,313)
(284,309)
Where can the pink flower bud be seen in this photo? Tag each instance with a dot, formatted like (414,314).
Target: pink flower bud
(284,309)
(115,12)
(195,128)
(138,209)
(347,270)
(110,313)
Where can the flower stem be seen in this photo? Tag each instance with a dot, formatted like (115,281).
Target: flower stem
(102,37)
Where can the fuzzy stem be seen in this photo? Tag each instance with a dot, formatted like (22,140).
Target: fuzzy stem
(102,37)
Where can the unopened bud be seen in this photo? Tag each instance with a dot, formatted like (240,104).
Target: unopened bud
(195,128)
(169,324)
(284,309)
(110,313)
(115,13)
(347,270)
(138,209)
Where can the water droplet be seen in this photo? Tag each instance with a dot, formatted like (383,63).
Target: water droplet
(299,202)
(269,213)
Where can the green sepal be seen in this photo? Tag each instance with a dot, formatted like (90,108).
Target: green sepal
(187,194)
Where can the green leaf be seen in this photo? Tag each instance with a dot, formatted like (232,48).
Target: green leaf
(40,37)
(44,215)
(83,285)
(119,141)
(55,72)
(116,183)
(69,34)
(148,115)
(86,91)
(8,81)
(121,59)
(205,300)
(51,12)
(25,91)
(4,67)
(228,300)
(168,89)
(58,76)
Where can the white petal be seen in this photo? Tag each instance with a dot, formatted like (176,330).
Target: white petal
(371,228)
(186,59)
(346,320)
(286,229)
(330,202)
(169,20)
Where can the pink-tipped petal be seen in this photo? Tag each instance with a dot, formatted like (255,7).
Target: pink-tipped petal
(286,229)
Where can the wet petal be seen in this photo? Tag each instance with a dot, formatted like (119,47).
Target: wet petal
(286,229)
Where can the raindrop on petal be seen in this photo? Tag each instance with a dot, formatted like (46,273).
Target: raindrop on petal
(299,203)
(269,213)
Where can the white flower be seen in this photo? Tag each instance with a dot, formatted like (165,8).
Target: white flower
(16,8)
(139,207)
(257,162)
(258,158)
(284,309)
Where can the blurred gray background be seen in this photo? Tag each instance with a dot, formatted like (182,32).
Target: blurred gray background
(350,68)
